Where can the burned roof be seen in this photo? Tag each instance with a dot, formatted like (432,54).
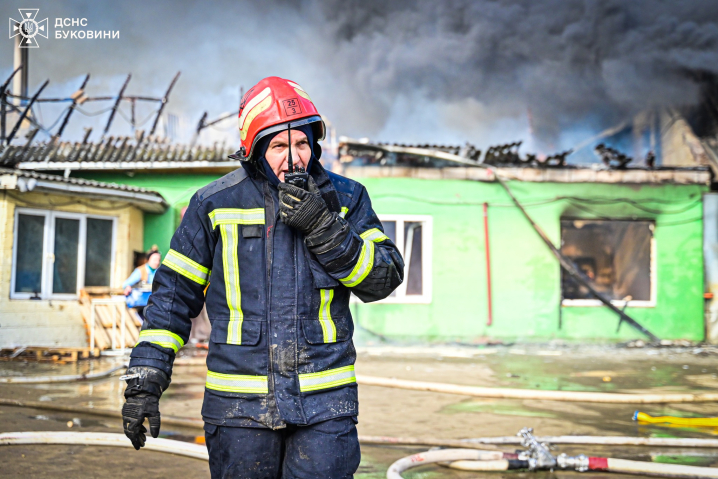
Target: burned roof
(115,153)
(398,154)
(441,156)
(361,159)
(27,181)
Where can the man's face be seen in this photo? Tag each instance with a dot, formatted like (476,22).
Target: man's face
(278,152)
(154,261)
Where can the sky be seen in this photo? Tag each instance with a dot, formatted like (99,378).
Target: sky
(549,72)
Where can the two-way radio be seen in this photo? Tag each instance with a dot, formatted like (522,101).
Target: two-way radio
(295,176)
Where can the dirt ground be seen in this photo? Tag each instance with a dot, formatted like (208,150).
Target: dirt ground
(388,411)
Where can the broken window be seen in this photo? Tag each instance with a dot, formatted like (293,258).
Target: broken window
(614,255)
(58,253)
(412,236)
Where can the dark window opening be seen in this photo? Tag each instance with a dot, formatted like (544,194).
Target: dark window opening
(98,252)
(412,256)
(67,240)
(411,247)
(615,255)
(28,262)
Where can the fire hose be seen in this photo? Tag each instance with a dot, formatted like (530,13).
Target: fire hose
(538,457)
(102,439)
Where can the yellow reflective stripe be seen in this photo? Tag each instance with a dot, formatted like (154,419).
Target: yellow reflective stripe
(161,337)
(237,216)
(266,103)
(230,261)
(186,267)
(258,104)
(327,379)
(363,266)
(303,94)
(325,316)
(236,383)
(295,85)
(374,235)
(252,103)
(344,211)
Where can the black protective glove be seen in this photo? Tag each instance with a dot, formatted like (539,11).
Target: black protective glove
(134,411)
(301,209)
(145,385)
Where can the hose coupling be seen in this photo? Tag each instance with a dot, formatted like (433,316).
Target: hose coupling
(578,463)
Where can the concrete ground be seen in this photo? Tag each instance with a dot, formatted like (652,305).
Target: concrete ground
(390,412)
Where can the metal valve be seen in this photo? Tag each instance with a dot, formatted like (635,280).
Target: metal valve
(539,456)
(578,463)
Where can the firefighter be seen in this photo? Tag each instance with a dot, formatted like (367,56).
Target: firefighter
(280,396)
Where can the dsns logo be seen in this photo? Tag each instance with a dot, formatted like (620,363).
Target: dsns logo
(28,28)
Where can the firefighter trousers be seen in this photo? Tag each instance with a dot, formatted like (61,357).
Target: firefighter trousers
(326,450)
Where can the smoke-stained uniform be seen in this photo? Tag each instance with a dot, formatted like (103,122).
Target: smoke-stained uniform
(281,348)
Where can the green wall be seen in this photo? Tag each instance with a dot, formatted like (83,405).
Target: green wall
(177,189)
(525,275)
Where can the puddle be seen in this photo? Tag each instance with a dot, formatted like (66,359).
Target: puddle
(69,420)
(500,408)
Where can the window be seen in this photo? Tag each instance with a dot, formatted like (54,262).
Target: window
(617,255)
(55,254)
(412,236)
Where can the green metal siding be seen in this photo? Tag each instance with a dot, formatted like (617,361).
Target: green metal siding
(525,276)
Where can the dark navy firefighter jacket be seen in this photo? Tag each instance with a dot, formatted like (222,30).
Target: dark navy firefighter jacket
(281,348)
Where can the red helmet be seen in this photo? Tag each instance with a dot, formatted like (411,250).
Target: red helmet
(269,106)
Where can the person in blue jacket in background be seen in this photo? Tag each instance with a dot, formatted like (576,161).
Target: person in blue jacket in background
(139,284)
(144,274)
(275,265)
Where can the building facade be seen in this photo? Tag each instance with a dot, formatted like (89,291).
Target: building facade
(58,236)
(637,233)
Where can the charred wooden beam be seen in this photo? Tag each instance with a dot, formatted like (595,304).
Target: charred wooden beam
(116,105)
(3,100)
(222,118)
(200,127)
(164,102)
(26,111)
(77,98)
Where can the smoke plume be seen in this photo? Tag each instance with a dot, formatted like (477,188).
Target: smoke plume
(550,72)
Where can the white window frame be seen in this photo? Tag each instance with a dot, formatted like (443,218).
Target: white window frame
(401,297)
(651,303)
(48,256)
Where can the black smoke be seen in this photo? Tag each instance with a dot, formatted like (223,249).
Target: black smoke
(549,72)
(559,63)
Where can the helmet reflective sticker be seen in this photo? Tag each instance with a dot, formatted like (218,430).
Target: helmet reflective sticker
(263,105)
(252,103)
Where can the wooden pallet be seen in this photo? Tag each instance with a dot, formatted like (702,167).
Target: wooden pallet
(39,353)
(104,315)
